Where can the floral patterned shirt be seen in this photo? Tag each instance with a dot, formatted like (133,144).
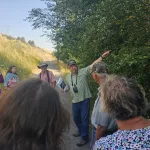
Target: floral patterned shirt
(138,139)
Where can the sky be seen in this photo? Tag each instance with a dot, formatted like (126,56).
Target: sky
(12,15)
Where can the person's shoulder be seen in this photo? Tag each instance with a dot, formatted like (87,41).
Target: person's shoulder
(82,70)
(50,72)
(85,70)
(9,73)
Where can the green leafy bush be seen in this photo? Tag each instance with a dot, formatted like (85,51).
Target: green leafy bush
(83,29)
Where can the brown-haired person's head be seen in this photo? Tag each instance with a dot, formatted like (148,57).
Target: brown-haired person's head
(12,69)
(32,117)
(122,98)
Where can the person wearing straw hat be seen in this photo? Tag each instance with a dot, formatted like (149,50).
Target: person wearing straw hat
(46,75)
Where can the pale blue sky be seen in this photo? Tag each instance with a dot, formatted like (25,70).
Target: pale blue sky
(12,15)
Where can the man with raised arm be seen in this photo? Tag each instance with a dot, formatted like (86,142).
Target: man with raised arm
(80,92)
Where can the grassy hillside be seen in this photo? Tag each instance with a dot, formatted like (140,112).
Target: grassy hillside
(22,55)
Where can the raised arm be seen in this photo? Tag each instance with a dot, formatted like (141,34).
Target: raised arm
(100,58)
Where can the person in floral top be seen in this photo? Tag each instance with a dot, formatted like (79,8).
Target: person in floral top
(124,100)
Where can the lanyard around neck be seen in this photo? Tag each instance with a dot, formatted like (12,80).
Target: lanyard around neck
(72,80)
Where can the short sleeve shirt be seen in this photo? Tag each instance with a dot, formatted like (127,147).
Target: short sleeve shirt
(45,78)
(102,118)
(82,85)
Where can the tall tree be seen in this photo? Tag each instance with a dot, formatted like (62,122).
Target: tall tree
(22,39)
(31,43)
(84,28)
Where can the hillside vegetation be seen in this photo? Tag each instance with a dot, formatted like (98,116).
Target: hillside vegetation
(22,55)
(84,29)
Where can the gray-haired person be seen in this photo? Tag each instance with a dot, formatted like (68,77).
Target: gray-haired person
(102,123)
(125,101)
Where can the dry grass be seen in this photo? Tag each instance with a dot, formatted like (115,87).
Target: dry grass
(22,55)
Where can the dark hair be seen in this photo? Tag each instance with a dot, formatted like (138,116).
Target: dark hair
(72,62)
(10,69)
(100,67)
(32,117)
(123,98)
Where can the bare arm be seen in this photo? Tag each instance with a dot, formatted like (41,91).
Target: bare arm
(52,79)
(100,58)
(100,132)
(54,83)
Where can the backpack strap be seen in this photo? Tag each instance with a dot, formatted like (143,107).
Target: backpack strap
(48,76)
(47,72)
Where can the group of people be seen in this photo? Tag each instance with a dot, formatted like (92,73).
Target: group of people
(33,118)
(117,117)
(12,78)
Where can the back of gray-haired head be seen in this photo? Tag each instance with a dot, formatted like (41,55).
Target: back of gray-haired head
(123,98)
(100,67)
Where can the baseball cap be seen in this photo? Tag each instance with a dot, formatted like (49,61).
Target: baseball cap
(72,62)
(100,67)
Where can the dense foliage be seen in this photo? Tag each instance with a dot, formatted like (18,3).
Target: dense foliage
(82,29)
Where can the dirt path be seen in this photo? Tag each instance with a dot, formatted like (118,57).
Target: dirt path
(69,140)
